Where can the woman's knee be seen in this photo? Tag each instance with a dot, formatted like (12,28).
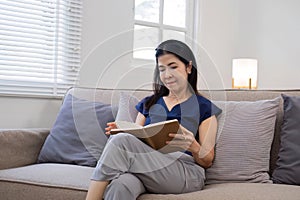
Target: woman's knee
(121,139)
(127,143)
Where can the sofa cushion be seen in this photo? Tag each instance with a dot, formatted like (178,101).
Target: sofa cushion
(234,191)
(22,191)
(45,181)
(77,136)
(244,138)
(288,163)
(50,175)
(62,181)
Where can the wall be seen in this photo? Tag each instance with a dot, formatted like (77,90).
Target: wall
(107,47)
(17,112)
(103,21)
(106,43)
(267,30)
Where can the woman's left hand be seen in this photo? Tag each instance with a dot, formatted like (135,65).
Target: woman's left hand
(184,139)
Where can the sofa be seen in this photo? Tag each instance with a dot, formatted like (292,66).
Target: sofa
(22,176)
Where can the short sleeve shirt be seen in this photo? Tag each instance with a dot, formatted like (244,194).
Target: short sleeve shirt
(190,113)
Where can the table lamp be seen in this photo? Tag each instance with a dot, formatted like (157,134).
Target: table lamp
(244,73)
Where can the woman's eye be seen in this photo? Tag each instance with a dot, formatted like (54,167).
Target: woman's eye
(173,67)
(161,70)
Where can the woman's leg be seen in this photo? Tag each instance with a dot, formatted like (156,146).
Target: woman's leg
(126,186)
(160,173)
(174,179)
(96,190)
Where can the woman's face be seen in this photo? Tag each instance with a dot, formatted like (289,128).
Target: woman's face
(173,72)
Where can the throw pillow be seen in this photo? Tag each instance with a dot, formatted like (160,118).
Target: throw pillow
(77,136)
(288,163)
(245,134)
(127,110)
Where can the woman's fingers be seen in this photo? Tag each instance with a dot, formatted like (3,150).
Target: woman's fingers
(110,125)
(178,136)
(107,130)
(183,139)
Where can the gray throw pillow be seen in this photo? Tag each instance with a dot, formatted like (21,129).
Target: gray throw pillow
(244,138)
(77,136)
(288,163)
(127,111)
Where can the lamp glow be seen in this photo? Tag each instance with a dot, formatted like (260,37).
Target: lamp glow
(244,73)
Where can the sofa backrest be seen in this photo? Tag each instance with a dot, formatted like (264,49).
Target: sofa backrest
(112,97)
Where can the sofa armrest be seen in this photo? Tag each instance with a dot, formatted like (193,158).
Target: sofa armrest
(20,147)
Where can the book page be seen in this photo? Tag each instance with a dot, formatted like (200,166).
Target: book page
(127,125)
(161,123)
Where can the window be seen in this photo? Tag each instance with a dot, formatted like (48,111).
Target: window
(158,20)
(39,46)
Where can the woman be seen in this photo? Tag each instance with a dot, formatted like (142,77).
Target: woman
(128,167)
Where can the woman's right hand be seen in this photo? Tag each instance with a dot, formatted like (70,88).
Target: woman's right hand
(110,125)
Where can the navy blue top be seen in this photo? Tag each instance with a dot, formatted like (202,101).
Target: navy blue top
(190,113)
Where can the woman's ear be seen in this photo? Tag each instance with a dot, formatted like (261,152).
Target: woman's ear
(189,67)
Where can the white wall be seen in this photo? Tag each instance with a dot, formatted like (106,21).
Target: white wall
(106,42)
(107,47)
(267,30)
(264,29)
(17,112)
(216,38)
(101,20)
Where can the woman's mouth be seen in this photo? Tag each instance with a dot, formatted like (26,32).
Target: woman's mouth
(170,83)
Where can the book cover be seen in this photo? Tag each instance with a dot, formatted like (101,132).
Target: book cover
(155,135)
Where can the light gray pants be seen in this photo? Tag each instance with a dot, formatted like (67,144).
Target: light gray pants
(133,168)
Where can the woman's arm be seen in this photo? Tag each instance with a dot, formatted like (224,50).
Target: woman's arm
(203,148)
(203,151)
(140,119)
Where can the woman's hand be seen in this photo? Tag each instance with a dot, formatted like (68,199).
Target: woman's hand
(185,140)
(110,125)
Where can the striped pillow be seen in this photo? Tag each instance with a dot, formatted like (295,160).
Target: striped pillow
(245,134)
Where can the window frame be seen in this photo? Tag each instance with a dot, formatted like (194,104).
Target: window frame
(191,21)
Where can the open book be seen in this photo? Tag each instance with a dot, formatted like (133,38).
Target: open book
(155,135)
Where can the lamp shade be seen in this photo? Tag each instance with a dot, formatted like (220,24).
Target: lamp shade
(244,73)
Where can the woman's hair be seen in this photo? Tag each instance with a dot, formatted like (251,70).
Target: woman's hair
(185,55)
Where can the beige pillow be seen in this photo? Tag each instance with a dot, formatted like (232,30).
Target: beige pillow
(127,110)
(245,134)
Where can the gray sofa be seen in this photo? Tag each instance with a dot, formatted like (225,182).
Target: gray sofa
(21,177)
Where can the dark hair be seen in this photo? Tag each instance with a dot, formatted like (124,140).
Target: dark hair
(185,55)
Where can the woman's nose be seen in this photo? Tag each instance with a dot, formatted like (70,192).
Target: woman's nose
(168,73)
